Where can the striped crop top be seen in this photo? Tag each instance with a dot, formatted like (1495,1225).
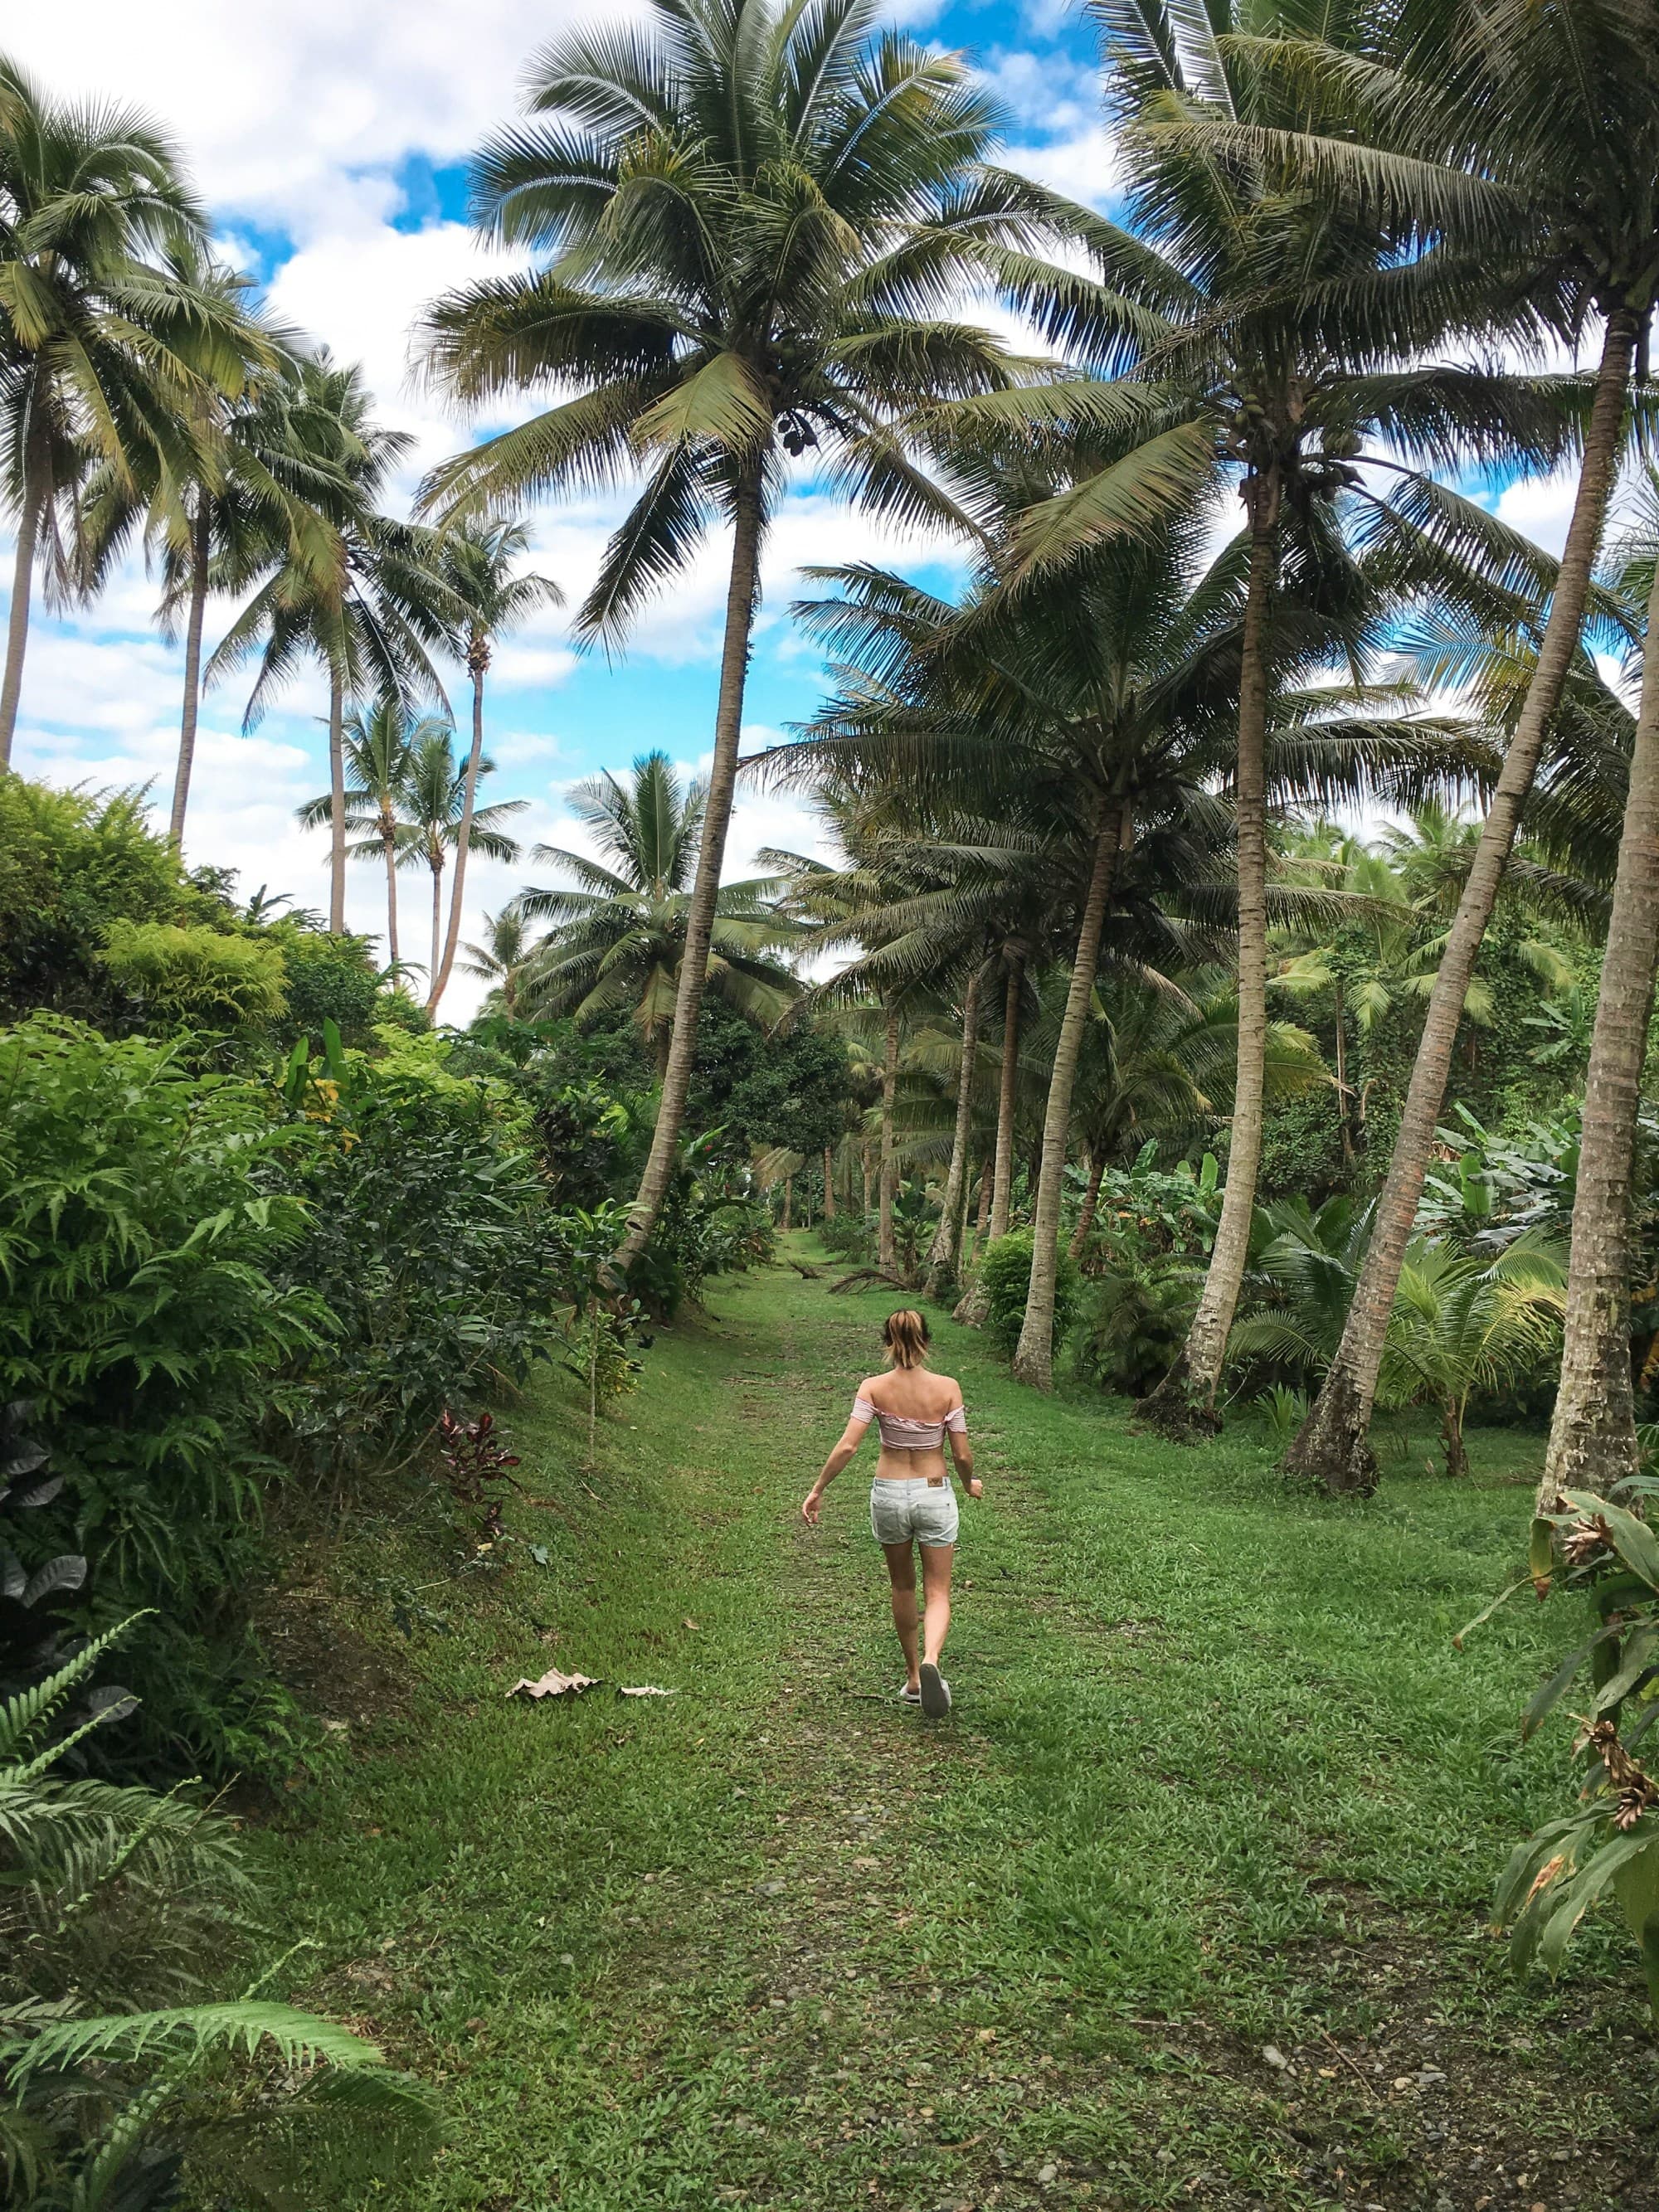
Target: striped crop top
(900,1433)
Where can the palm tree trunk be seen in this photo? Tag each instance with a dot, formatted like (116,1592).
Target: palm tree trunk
(477,661)
(788,1193)
(1333,1446)
(1186,1397)
(437,907)
(942,1260)
(829,1184)
(886,1250)
(974,1308)
(336,823)
(23,581)
(1593,1431)
(717,815)
(1085,1220)
(864,1158)
(1034,1359)
(1344,1117)
(389,848)
(199,547)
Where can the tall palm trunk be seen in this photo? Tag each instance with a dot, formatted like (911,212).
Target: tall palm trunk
(886,1247)
(942,1260)
(1034,1359)
(829,1184)
(1344,1113)
(1593,1433)
(22,582)
(436,864)
(477,661)
(389,851)
(1090,1207)
(864,1161)
(199,549)
(1333,1445)
(717,816)
(337,817)
(1188,1394)
(975,1307)
(788,1195)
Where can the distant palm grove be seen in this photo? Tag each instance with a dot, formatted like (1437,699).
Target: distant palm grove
(1225,974)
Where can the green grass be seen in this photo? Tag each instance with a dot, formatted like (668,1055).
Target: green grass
(1216,1780)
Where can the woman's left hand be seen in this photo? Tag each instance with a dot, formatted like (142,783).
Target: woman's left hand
(809,1507)
(975,1487)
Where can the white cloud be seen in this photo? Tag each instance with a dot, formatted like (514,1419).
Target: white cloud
(278,103)
(1084,166)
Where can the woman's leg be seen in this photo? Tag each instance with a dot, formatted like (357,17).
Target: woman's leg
(936,1563)
(901,1574)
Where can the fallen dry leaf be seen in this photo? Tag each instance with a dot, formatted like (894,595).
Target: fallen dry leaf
(689,1623)
(642,1690)
(554,1685)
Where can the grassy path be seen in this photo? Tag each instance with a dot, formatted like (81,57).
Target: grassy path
(1215,1781)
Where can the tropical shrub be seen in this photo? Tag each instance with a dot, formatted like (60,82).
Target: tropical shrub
(1144,1211)
(1006,1273)
(1597,1549)
(130,2082)
(149,1308)
(332,979)
(196,977)
(427,1241)
(71,863)
(850,1235)
(1132,1322)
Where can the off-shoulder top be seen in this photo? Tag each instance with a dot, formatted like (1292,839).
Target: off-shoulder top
(900,1433)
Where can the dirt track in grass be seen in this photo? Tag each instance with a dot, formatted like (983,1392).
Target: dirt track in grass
(1215,1786)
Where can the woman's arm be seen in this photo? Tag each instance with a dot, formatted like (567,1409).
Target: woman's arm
(962,1451)
(851,1437)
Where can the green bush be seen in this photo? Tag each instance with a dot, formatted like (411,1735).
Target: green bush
(1005,1273)
(194,977)
(1132,1322)
(427,1241)
(71,863)
(123,1913)
(332,979)
(145,1233)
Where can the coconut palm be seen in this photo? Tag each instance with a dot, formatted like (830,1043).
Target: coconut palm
(107,345)
(507,946)
(760,218)
(434,798)
(620,929)
(1265,330)
(237,482)
(1593,1440)
(379,744)
(368,600)
(1096,718)
(480,561)
(1520,145)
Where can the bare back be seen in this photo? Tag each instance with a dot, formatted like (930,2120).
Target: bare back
(916,1394)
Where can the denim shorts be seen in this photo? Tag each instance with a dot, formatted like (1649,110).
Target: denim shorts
(915,1511)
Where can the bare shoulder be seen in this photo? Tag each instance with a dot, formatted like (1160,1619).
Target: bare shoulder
(952,1384)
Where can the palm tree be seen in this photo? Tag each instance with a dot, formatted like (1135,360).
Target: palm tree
(479,560)
(498,961)
(1551,115)
(378,746)
(1263,330)
(619,933)
(1593,1441)
(106,345)
(434,799)
(367,598)
(758,214)
(1095,718)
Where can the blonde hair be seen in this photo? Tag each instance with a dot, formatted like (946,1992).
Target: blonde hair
(905,1335)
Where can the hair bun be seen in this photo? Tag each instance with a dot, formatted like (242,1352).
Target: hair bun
(905,1334)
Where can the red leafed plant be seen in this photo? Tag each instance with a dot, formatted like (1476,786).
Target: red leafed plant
(474,1458)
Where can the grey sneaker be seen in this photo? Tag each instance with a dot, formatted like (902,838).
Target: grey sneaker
(935,1691)
(908,1695)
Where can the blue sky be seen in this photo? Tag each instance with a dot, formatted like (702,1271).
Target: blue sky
(331,137)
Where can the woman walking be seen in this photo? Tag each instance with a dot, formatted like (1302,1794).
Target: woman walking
(911,1500)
